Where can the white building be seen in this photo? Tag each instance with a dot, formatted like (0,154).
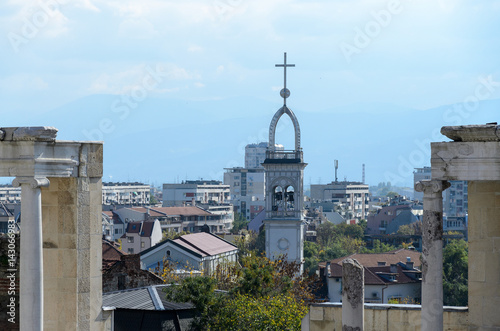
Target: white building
(140,236)
(197,191)
(388,276)
(112,226)
(10,194)
(255,154)
(125,194)
(247,187)
(352,197)
(197,251)
(456,202)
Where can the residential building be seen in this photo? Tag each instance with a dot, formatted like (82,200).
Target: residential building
(247,187)
(189,218)
(113,226)
(418,175)
(388,219)
(255,154)
(132,194)
(201,251)
(456,202)
(195,191)
(352,198)
(10,194)
(388,276)
(140,236)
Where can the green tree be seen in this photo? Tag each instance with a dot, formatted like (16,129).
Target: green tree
(406,229)
(153,200)
(240,223)
(455,273)
(244,312)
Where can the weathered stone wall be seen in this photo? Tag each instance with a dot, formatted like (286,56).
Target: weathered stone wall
(6,284)
(328,316)
(484,254)
(71,209)
(126,274)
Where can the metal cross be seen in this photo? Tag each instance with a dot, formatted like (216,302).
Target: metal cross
(284,92)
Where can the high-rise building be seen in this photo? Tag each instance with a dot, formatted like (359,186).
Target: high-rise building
(255,154)
(352,198)
(456,201)
(247,188)
(198,191)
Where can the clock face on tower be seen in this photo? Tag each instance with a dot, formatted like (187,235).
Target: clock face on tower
(283,244)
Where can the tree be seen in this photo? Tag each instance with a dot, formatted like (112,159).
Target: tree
(406,229)
(240,223)
(455,273)
(153,200)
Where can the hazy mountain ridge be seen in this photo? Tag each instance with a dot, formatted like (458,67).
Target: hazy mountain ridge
(164,139)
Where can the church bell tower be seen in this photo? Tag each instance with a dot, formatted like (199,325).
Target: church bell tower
(284,172)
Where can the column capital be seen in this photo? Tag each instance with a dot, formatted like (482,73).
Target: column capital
(431,186)
(34,182)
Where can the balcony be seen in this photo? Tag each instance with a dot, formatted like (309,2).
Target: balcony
(287,156)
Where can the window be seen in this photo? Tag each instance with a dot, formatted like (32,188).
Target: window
(131,251)
(116,231)
(142,244)
(168,253)
(130,239)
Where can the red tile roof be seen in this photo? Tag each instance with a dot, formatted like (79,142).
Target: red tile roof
(110,255)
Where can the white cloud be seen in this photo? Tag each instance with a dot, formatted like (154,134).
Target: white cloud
(195,48)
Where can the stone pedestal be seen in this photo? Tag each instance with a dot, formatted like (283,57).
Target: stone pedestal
(432,253)
(353,295)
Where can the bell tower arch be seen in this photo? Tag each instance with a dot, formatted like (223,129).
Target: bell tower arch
(284,175)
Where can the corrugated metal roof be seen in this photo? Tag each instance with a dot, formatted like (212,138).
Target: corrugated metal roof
(142,298)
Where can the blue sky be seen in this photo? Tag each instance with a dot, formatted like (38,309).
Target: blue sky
(413,54)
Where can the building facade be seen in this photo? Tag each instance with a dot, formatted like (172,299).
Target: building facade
(132,194)
(352,198)
(247,187)
(255,154)
(10,194)
(197,191)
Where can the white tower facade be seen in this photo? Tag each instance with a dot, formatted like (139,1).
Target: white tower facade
(284,176)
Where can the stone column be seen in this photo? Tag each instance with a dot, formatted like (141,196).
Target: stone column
(353,295)
(31,274)
(432,253)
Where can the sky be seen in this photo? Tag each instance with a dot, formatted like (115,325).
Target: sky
(410,54)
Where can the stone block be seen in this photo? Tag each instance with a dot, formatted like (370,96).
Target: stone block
(482,245)
(51,263)
(84,285)
(493,270)
(477,265)
(67,262)
(491,315)
(84,307)
(83,219)
(67,241)
(487,186)
(482,289)
(316,313)
(94,160)
(475,310)
(492,220)
(84,198)
(84,241)
(50,198)
(67,219)
(83,261)
(329,313)
(66,198)
(67,285)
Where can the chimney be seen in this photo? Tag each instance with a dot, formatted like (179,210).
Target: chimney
(328,270)
(193,203)
(409,263)
(394,268)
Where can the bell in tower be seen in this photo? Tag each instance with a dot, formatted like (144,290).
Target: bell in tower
(284,172)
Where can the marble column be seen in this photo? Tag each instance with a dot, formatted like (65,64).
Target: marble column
(31,274)
(353,295)
(432,253)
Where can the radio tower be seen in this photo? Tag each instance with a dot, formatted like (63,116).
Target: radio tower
(336,167)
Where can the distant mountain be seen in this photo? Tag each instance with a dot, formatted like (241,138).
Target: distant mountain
(164,140)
